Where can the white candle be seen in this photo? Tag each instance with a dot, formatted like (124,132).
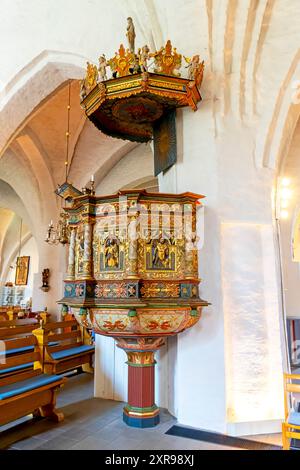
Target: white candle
(92,178)
(51,222)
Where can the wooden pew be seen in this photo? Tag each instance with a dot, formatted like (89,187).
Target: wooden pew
(30,323)
(17,323)
(10,312)
(42,315)
(70,353)
(3,313)
(11,329)
(24,388)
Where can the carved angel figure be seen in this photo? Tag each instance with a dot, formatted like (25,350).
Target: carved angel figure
(102,68)
(144,55)
(82,90)
(195,69)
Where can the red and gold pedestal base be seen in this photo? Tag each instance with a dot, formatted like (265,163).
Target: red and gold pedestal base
(141,410)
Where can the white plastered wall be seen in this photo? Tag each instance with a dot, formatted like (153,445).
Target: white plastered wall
(239,334)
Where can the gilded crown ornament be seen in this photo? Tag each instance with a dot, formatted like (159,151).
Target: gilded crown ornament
(167,60)
(135,82)
(122,62)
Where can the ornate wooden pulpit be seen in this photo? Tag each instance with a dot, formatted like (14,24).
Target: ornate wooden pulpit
(133,276)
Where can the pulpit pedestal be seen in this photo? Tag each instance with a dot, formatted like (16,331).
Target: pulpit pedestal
(141,410)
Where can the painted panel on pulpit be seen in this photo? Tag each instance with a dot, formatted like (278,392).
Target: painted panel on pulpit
(161,256)
(109,255)
(165,144)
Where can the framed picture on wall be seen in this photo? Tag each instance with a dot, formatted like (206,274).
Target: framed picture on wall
(22,270)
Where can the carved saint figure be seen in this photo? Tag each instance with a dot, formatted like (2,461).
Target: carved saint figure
(161,254)
(82,90)
(102,68)
(111,253)
(45,277)
(130,34)
(144,57)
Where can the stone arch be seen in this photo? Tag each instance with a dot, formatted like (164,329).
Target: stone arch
(11,200)
(275,135)
(45,74)
(14,253)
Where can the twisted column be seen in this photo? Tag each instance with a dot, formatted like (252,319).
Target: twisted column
(71,260)
(87,252)
(132,265)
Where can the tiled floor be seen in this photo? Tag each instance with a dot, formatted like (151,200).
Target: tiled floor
(92,424)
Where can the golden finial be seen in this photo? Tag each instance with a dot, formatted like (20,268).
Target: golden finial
(91,78)
(122,62)
(167,60)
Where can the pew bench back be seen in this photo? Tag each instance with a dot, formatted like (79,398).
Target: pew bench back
(69,352)
(24,388)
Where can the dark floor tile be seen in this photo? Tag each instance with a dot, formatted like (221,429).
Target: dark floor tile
(57,443)
(27,444)
(91,443)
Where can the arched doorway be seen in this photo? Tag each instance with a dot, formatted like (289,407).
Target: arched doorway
(18,249)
